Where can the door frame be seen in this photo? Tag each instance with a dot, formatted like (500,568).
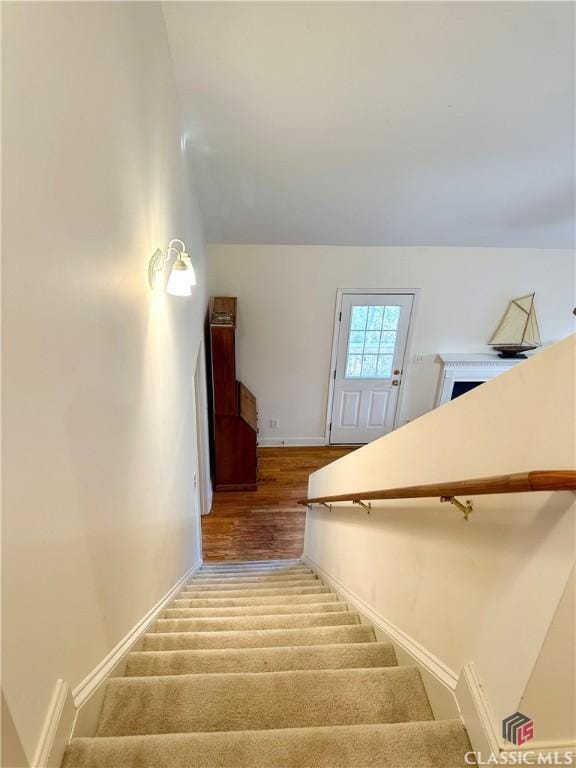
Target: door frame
(204,480)
(340,293)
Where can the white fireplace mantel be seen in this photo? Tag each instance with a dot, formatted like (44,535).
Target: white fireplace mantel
(469,367)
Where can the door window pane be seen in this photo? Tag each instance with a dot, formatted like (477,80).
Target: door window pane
(391,318)
(375,318)
(358,318)
(372,343)
(369,366)
(384,367)
(354,366)
(356,343)
(387,342)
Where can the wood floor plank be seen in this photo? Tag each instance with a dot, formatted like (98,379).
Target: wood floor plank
(267,523)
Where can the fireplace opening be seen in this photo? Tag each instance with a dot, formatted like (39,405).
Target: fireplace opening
(461,387)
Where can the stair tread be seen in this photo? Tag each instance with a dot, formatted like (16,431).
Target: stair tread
(275,659)
(254,591)
(253,568)
(279,562)
(262,566)
(197,586)
(247,701)
(355,633)
(430,744)
(230,602)
(259,579)
(253,610)
(278,621)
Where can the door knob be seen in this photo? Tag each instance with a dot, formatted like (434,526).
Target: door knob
(397,372)
(395,382)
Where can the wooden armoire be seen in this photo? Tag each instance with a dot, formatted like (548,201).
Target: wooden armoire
(234,424)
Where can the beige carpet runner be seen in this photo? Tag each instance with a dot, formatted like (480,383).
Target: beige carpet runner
(259,665)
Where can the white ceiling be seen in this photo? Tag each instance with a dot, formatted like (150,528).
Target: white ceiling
(379,123)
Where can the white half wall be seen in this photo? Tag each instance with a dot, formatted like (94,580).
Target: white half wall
(100,518)
(484,590)
(286,303)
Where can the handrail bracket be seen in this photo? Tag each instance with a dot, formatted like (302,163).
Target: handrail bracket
(466,508)
(362,504)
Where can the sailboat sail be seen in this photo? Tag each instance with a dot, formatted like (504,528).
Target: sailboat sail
(519,325)
(532,333)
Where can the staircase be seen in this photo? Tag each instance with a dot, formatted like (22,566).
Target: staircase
(259,665)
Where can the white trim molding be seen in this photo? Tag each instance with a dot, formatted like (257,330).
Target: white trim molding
(289,442)
(202,431)
(57,728)
(421,655)
(476,712)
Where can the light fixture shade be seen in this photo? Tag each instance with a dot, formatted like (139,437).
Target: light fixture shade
(179,280)
(188,261)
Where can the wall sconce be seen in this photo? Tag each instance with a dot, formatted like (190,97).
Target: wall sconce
(182,276)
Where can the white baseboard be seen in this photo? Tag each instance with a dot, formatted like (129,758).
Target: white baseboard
(484,731)
(66,706)
(290,442)
(440,681)
(57,728)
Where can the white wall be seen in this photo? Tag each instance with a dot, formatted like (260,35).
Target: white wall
(483,591)
(554,675)
(286,314)
(99,423)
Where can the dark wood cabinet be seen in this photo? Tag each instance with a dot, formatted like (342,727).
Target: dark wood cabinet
(234,417)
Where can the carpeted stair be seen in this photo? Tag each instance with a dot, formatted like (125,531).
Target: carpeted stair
(259,665)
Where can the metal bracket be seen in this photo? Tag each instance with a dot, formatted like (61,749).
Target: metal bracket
(324,504)
(367,507)
(155,267)
(465,508)
(157,263)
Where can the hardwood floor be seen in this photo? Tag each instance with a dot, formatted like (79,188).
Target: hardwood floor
(267,523)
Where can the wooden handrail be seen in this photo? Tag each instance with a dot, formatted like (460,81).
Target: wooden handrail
(521,482)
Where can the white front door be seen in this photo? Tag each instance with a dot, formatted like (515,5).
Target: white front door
(373,329)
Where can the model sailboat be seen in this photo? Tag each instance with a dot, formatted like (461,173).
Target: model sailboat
(518,331)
